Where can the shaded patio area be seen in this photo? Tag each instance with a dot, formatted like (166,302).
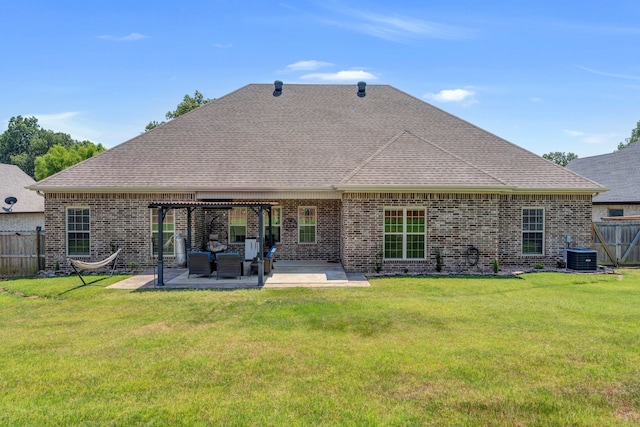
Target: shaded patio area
(286,274)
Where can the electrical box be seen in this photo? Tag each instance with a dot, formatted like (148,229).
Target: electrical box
(582,259)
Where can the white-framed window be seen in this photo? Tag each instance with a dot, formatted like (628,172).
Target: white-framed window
(307,221)
(168,233)
(405,233)
(276,223)
(237,225)
(533,231)
(78,231)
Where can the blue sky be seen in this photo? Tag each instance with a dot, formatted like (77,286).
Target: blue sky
(546,75)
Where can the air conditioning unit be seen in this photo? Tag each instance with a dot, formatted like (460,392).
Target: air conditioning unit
(583,259)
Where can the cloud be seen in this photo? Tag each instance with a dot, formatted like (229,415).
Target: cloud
(223,45)
(69,122)
(536,99)
(308,65)
(340,76)
(127,38)
(464,96)
(602,73)
(400,29)
(593,138)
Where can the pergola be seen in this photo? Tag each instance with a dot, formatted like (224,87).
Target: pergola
(257,207)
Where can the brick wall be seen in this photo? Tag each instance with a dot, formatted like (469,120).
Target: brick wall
(350,229)
(122,220)
(564,215)
(489,222)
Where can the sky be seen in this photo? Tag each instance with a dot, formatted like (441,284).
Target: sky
(546,75)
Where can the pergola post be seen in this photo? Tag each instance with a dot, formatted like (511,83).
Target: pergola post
(161,214)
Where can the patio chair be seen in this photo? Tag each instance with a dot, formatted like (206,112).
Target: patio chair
(268,261)
(228,265)
(199,263)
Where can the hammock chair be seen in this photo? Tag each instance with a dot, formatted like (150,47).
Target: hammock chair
(78,265)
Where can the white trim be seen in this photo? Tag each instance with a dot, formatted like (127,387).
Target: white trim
(246,225)
(164,252)
(66,230)
(543,231)
(269,195)
(404,233)
(315,225)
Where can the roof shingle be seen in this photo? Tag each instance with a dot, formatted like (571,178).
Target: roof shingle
(314,137)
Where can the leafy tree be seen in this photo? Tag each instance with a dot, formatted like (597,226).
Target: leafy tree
(24,140)
(59,157)
(635,136)
(188,103)
(560,158)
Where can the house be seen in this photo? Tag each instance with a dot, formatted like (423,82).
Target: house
(22,209)
(365,175)
(617,171)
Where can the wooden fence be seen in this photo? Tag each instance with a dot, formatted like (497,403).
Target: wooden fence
(617,242)
(22,253)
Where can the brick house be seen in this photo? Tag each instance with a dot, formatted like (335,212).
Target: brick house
(368,176)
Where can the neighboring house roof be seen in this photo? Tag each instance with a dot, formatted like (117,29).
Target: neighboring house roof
(317,137)
(619,171)
(14,182)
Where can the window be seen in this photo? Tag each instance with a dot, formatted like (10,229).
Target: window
(307,224)
(168,233)
(616,212)
(404,233)
(237,225)
(276,224)
(532,231)
(78,232)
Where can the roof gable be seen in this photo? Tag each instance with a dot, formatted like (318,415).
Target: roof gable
(410,161)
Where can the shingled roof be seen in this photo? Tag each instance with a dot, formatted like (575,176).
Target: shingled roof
(619,171)
(317,137)
(14,182)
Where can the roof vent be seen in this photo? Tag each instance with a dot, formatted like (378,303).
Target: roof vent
(278,86)
(361,92)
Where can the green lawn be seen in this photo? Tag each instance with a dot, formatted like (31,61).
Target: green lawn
(543,349)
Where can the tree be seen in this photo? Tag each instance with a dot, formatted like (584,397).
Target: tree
(560,158)
(59,157)
(635,136)
(188,103)
(24,140)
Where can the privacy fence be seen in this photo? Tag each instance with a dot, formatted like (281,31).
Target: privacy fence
(617,242)
(21,253)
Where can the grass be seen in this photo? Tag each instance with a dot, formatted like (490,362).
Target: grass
(543,349)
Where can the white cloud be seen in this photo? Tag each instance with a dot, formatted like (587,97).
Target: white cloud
(593,138)
(223,45)
(464,96)
(614,75)
(397,28)
(69,122)
(308,65)
(127,38)
(340,76)
(536,99)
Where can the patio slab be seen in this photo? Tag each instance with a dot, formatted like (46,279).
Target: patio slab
(286,274)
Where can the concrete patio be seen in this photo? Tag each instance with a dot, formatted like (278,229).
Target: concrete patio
(286,274)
